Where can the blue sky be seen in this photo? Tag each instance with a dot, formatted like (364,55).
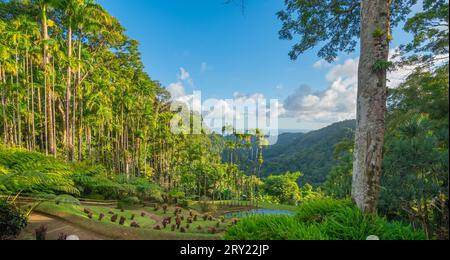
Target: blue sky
(224,52)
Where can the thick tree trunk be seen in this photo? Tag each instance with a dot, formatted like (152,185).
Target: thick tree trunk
(371,104)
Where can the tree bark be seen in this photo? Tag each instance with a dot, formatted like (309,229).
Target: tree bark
(5,122)
(68,96)
(50,141)
(371,104)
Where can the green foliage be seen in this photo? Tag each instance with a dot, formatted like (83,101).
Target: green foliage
(339,181)
(205,205)
(430,29)
(32,172)
(310,153)
(67,199)
(94,181)
(315,211)
(378,33)
(416,152)
(128,202)
(322,219)
(284,187)
(274,228)
(382,66)
(335,26)
(12,221)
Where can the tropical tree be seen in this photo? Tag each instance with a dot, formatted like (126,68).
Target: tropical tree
(339,24)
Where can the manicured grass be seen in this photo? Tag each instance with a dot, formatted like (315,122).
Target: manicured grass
(76,216)
(144,222)
(193,227)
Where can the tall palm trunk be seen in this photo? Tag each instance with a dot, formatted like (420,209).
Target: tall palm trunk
(33,128)
(19,125)
(80,95)
(5,120)
(371,105)
(50,141)
(68,95)
(26,63)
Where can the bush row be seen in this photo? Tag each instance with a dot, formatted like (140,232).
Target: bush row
(322,219)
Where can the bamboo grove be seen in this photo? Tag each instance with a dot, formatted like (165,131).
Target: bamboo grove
(73,86)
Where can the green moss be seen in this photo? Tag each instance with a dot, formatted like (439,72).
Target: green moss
(378,33)
(381,66)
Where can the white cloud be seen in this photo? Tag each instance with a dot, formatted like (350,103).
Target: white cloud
(176,90)
(323,64)
(399,75)
(336,103)
(185,76)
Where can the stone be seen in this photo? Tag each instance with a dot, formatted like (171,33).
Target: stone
(72,238)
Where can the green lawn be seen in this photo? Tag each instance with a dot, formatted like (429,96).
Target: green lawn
(75,214)
(205,226)
(200,229)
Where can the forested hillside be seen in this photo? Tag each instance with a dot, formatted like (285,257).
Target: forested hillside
(310,153)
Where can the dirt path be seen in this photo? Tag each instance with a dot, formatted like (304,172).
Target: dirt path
(158,219)
(56,226)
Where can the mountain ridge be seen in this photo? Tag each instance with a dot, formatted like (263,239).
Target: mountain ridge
(311,153)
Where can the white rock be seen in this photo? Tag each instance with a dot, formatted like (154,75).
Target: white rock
(72,238)
(372,238)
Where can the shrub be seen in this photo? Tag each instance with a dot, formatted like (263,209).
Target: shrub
(41,232)
(66,199)
(114,218)
(322,219)
(96,197)
(314,211)
(62,237)
(400,231)
(184,203)
(122,221)
(128,202)
(351,224)
(12,221)
(206,206)
(134,224)
(212,230)
(274,228)
(32,172)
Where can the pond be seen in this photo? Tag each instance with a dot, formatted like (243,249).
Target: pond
(259,212)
